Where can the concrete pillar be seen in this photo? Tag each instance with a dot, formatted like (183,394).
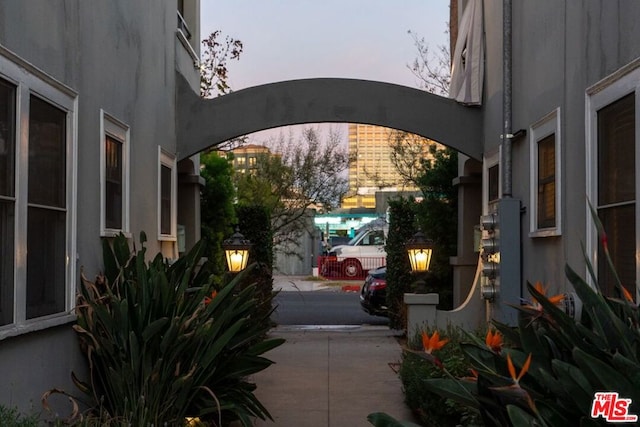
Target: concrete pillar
(469,210)
(421,312)
(189,185)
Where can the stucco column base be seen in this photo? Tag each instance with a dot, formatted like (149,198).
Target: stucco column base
(421,311)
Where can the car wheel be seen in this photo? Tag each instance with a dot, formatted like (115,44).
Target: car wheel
(351,268)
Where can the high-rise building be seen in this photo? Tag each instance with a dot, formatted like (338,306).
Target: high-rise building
(372,168)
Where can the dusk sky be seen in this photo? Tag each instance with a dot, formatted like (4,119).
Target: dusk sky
(293,39)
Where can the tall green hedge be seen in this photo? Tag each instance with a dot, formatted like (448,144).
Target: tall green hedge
(254,223)
(406,217)
(401,228)
(438,218)
(217,209)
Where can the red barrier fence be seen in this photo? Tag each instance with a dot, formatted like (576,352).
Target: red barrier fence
(331,267)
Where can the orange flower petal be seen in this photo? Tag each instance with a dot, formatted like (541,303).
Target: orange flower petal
(556,298)
(512,369)
(208,300)
(494,341)
(425,340)
(627,294)
(540,288)
(434,339)
(440,344)
(432,343)
(489,339)
(525,367)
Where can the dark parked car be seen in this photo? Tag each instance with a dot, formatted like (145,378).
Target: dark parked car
(373,295)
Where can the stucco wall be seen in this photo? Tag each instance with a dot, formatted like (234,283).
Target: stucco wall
(37,362)
(559,49)
(119,56)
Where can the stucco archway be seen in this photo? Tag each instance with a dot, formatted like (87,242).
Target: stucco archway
(203,123)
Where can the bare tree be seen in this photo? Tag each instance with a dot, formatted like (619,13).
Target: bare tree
(301,174)
(213,65)
(431,68)
(214,74)
(408,152)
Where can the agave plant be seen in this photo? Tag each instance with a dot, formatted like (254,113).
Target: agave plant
(163,344)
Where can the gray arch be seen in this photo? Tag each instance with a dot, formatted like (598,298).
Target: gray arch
(203,123)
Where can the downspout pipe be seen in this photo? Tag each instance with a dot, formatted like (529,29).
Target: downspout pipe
(509,288)
(507,134)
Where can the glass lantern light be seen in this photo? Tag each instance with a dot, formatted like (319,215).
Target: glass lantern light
(420,251)
(236,249)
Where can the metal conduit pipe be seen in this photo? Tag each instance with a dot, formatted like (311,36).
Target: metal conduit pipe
(506,100)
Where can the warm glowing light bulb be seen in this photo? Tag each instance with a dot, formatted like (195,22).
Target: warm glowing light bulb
(236,261)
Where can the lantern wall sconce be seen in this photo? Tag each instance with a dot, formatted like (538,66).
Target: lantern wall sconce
(236,250)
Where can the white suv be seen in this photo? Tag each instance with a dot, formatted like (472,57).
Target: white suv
(364,252)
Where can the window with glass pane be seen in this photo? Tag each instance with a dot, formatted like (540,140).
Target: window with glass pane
(547,182)
(7,138)
(113,183)
(46,215)
(7,199)
(165,199)
(493,185)
(616,192)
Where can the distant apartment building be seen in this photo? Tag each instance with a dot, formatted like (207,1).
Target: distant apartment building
(372,169)
(247,157)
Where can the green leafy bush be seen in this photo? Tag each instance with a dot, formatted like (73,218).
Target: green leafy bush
(404,220)
(163,344)
(431,408)
(217,210)
(255,223)
(557,363)
(437,215)
(10,417)
(401,228)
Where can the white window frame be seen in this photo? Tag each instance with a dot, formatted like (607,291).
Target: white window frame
(490,160)
(169,160)
(188,37)
(118,130)
(546,126)
(32,81)
(622,82)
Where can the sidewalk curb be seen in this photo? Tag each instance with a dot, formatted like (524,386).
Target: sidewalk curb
(379,330)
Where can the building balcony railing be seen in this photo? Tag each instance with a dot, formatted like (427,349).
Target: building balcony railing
(182,26)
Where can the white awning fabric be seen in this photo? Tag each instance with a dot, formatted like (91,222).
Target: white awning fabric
(467,69)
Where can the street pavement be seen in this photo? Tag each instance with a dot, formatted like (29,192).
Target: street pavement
(330,375)
(305,284)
